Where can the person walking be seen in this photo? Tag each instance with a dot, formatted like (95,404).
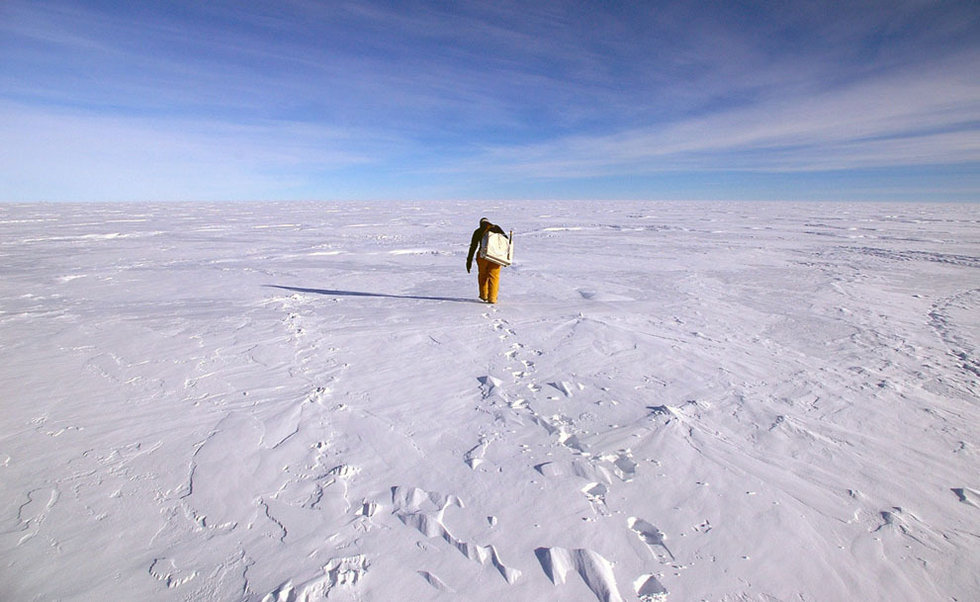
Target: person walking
(488,272)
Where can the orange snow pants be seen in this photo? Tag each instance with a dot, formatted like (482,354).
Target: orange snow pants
(489,278)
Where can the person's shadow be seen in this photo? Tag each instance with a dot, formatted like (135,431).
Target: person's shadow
(338,293)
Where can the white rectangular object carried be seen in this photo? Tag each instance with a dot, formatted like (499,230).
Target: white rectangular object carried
(498,248)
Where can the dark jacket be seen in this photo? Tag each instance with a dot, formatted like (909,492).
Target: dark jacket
(477,238)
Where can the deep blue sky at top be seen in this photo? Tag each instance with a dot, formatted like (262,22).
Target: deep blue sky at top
(298,99)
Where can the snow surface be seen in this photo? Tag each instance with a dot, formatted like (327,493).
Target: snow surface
(671,402)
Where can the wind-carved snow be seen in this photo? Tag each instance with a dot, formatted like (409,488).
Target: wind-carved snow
(967,496)
(435,582)
(164,569)
(32,513)
(676,401)
(649,589)
(593,569)
(424,511)
(339,573)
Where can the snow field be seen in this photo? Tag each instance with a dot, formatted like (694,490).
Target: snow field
(671,401)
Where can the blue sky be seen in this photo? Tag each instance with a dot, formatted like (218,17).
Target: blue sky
(298,99)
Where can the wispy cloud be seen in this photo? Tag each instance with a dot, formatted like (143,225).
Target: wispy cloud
(290,98)
(912,118)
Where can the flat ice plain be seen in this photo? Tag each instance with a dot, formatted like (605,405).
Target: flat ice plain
(673,401)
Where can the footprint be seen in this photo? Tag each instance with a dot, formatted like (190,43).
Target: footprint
(502,326)
(573,442)
(317,395)
(623,465)
(341,476)
(474,457)
(650,535)
(596,494)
